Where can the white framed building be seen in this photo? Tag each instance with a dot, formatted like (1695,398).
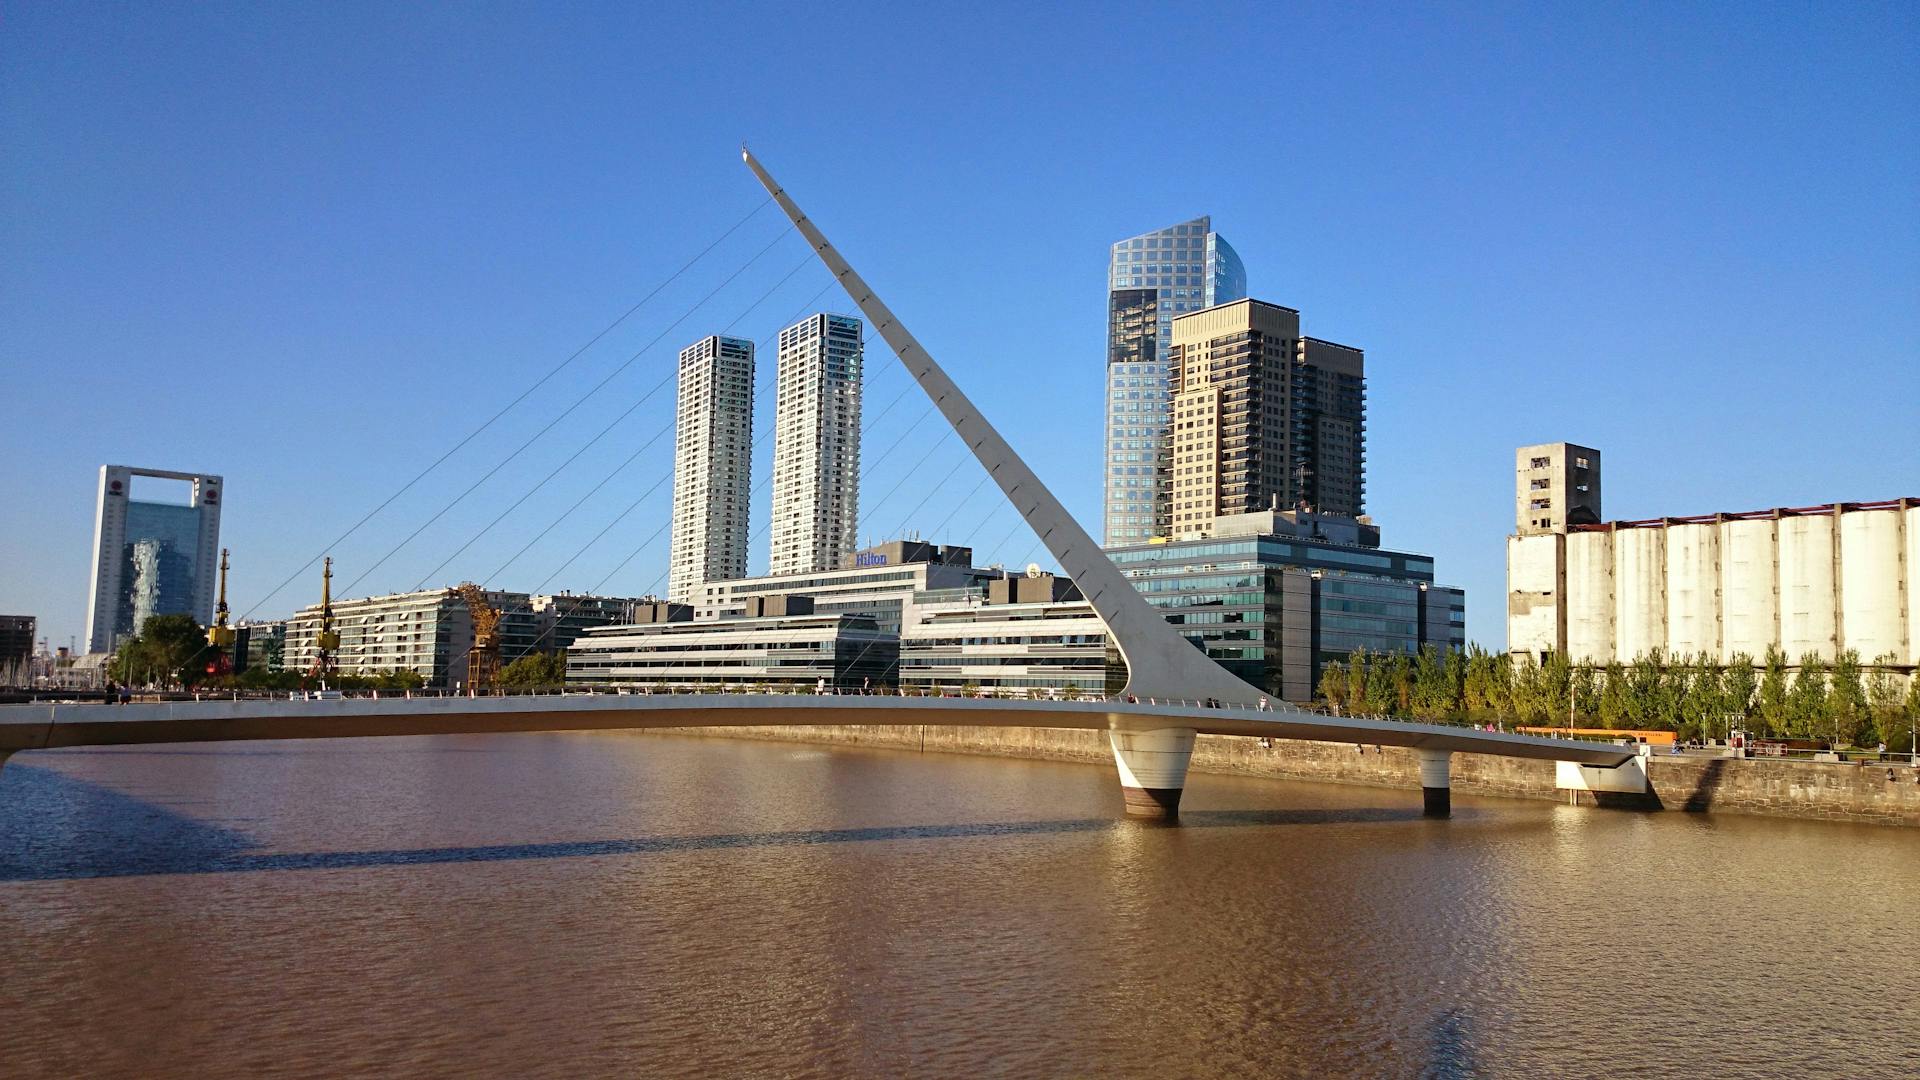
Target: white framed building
(712,465)
(878,582)
(783,652)
(429,631)
(1004,643)
(151,558)
(816,445)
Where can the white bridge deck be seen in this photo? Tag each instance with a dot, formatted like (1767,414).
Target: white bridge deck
(46,726)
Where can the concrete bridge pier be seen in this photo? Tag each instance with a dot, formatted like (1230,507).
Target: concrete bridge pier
(1436,782)
(4,755)
(1153,770)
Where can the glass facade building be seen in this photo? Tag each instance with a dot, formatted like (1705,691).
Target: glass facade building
(151,557)
(1150,279)
(1275,609)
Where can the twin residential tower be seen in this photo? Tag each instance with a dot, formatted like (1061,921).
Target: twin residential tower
(816,454)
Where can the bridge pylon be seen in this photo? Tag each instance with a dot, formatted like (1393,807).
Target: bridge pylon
(1161,663)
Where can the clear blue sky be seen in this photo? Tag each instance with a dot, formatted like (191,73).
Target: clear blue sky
(310,248)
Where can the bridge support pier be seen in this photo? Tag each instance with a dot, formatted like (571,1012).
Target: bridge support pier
(1153,770)
(1436,782)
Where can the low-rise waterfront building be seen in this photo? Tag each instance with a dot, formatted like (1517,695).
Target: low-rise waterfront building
(260,646)
(788,647)
(1014,637)
(17,636)
(429,632)
(559,618)
(878,582)
(1274,596)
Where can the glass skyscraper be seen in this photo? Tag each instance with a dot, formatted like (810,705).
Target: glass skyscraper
(1150,279)
(151,558)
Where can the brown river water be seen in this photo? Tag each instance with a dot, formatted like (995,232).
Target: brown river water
(656,905)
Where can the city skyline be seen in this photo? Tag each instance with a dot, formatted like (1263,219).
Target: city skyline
(1501,274)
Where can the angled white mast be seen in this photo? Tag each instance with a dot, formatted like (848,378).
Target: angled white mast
(1160,662)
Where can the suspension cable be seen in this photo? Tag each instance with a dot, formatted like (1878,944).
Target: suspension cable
(551,424)
(537,384)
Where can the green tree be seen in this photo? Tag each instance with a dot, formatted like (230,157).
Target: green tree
(1807,702)
(1847,701)
(168,649)
(1333,684)
(1432,690)
(1556,688)
(1476,690)
(1884,703)
(1774,691)
(1523,691)
(1586,695)
(1382,693)
(540,670)
(1456,681)
(1357,701)
(1647,692)
(1736,688)
(1913,708)
(1613,709)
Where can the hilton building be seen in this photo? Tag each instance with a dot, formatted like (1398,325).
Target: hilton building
(151,558)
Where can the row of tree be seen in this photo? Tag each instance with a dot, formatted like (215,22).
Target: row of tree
(1843,702)
(172,651)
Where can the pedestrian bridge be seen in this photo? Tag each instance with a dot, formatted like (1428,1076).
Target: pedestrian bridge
(1152,741)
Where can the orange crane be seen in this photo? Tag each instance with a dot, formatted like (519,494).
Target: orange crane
(483,660)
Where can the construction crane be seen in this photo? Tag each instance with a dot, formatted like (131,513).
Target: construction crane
(220,636)
(327,641)
(483,660)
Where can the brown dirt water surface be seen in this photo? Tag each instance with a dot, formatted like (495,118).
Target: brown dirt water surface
(580,905)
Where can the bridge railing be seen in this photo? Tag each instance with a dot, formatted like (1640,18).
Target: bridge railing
(735,690)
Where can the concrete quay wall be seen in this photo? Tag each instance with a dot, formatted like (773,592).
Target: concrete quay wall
(1798,789)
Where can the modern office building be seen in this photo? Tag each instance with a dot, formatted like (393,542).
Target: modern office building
(1151,278)
(1022,636)
(260,646)
(1555,485)
(877,582)
(1262,418)
(816,445)
(559,618)
(1274,596)
(789,648)
(429,632)
(712,466)
(1816,579)
(18,635)
(151,558)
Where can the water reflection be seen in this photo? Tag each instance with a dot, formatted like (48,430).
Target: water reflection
(571,905)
